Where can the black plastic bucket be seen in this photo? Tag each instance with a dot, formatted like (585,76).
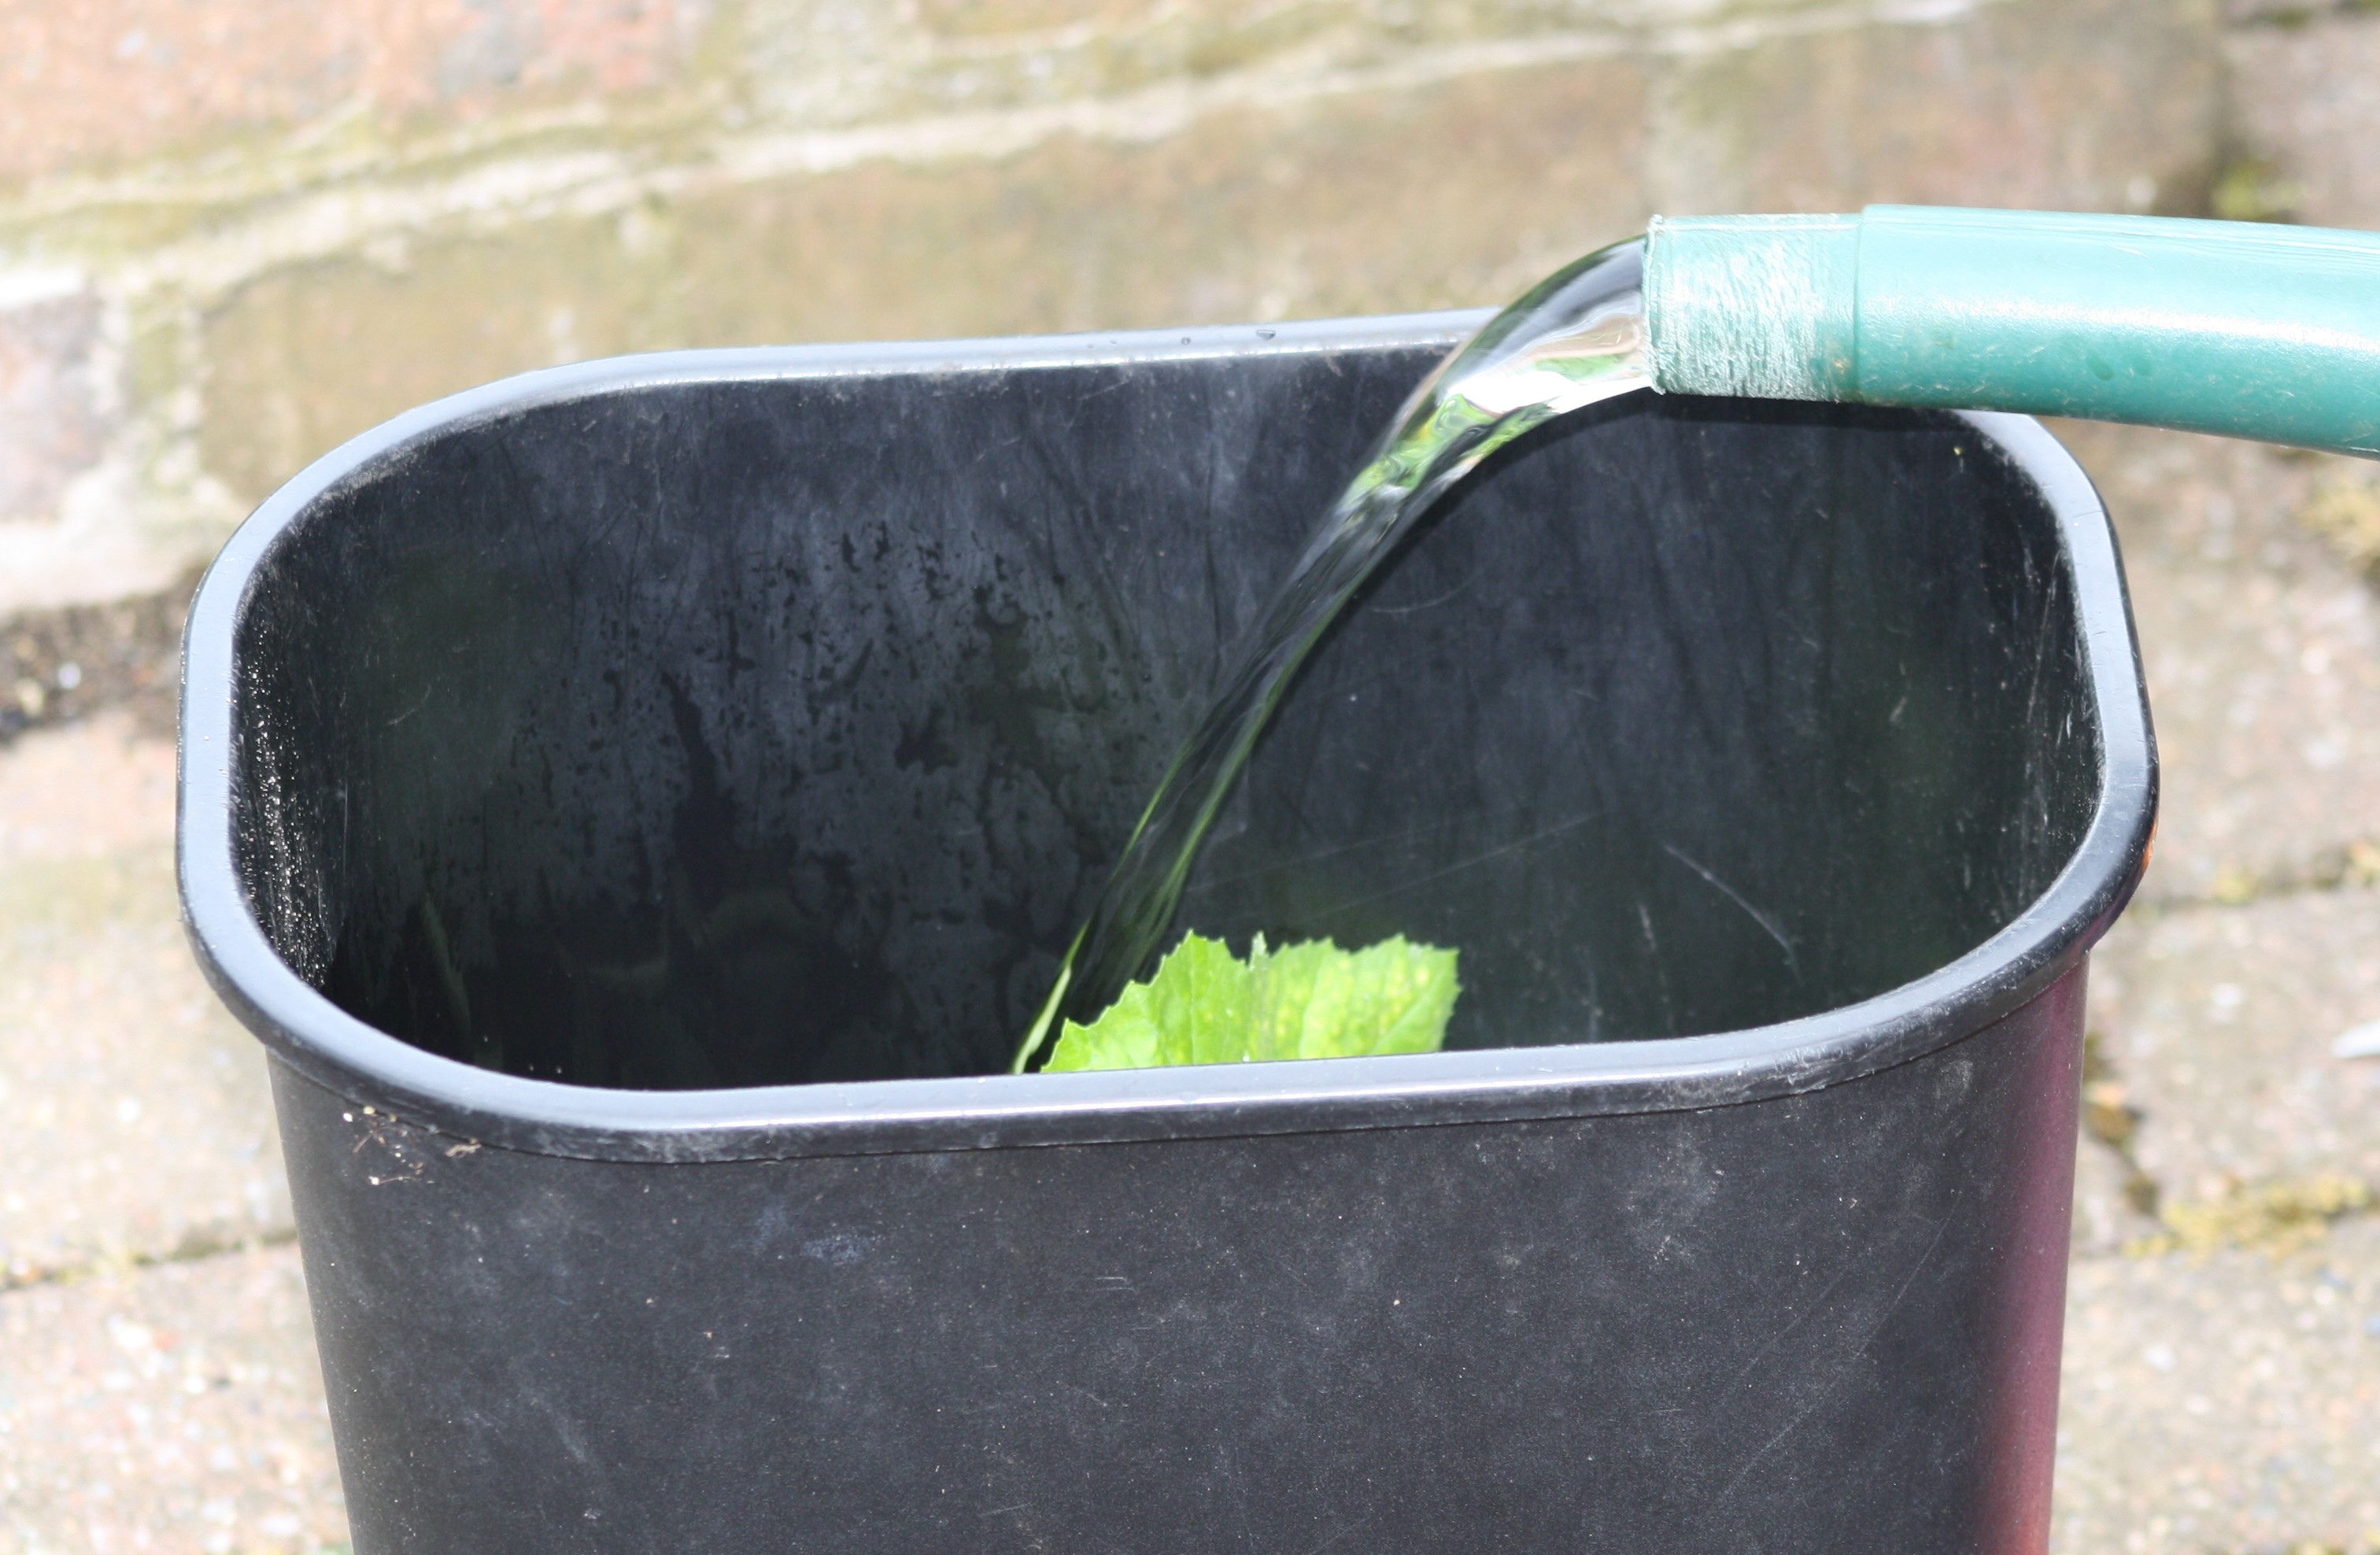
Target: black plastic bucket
(640,805)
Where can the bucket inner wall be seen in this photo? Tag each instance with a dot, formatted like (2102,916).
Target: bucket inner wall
(754,732)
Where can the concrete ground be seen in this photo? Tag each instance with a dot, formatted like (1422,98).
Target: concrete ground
(158,1389)
(2222,1389)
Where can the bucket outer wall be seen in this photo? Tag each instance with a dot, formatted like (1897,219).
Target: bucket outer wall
(1826,1321)
(1788,1289)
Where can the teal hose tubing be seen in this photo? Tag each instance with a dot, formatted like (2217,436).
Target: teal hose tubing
(2270,332)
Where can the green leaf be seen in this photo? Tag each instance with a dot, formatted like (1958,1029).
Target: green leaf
(1309,999)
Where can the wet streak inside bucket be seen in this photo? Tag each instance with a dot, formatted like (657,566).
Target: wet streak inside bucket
(747,733)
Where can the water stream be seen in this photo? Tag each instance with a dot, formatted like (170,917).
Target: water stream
(1575,339)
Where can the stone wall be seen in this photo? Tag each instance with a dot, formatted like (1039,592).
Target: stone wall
(231,236)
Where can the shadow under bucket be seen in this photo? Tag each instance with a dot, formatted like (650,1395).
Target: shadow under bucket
(641,807)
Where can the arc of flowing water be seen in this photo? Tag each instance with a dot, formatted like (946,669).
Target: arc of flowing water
(1576,338)
(2244,330)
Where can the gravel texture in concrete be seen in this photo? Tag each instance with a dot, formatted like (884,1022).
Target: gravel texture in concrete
(2224,1403)
(167,1409)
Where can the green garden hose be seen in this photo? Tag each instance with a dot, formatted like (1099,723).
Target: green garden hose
(2251,331)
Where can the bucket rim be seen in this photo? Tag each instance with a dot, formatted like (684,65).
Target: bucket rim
(304,1029)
